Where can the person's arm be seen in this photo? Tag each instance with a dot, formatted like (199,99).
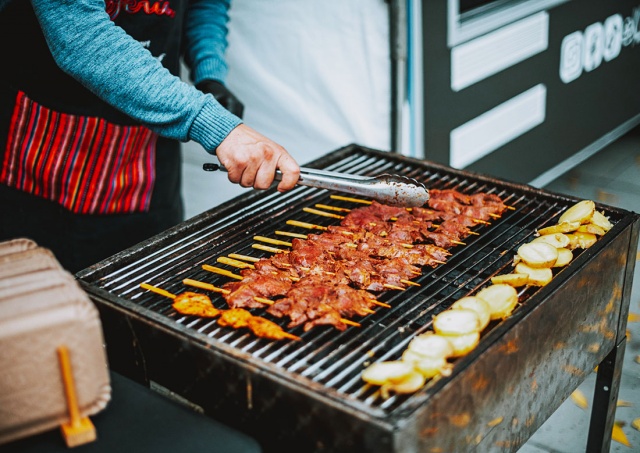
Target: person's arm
(205,38)
(87,45)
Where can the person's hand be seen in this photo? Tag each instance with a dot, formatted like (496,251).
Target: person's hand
(222,94)
(251,160)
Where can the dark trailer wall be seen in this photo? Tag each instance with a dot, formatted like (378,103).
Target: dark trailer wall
(524,90)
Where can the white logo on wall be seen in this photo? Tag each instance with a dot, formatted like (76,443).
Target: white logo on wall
(585,51)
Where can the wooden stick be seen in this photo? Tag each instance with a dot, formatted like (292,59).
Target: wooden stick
(322,213)
(409,282)
(217,270)
(267,248)
(495,216)
(157,290)
(332,208)
(251,259)
(354,200)
(309,226)
(235,263)
(79,430)
(458,242)
(272,241)
(293,235)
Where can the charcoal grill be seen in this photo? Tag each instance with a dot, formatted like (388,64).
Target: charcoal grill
(309,396)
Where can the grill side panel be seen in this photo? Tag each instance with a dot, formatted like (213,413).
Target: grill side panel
(526,374)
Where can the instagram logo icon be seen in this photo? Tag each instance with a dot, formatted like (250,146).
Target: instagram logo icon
(571,57)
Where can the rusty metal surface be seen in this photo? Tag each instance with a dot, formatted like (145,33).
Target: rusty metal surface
(309,395)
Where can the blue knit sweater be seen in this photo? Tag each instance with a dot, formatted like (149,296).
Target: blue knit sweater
(82,37)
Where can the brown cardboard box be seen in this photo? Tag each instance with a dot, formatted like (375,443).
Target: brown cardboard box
(42,308)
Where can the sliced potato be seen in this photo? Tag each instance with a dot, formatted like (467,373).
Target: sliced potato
(564,257)
(539,276)
(410,384)
(430,368)
(514,280)
(580,212)
(558,240)
(591,228)
(601,220)
(431,345)
(564,227)
(502,299)
(427,366)
(538,254)
(456,322)
(585,240)
(573,241)
(463,344)
(380,373)
(476,304)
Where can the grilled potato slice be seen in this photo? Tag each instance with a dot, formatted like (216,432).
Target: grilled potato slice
(514,280)
(380,373)
(585,240)
(502,299)
(456,322)
(410,384)
(464,344)
(580,212)
(573,241)
(431,345)
(538,254)
(564,227)
(476,304)
(564,257)
(427,366)
(558,240)
(537,276)
(591,228)
(601,220)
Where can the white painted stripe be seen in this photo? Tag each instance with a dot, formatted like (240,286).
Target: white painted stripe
(498,126)
(487,55)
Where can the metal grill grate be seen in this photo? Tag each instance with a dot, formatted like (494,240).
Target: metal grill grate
(326,356)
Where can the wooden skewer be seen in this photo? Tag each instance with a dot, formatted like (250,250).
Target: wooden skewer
(157,290)
(217,270)
(354,200)
(458,242)
(251,259)
(409,282)
(207,286)
(267,248)
(332,208)
(271,241)
(322,213)
(511,208)
(309,226)
(495,216)
(78,430)
(293,235)
(235,263)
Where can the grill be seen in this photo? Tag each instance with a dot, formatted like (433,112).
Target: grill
(309,394)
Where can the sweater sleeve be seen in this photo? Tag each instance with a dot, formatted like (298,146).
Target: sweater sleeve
(206,39)
(87,45)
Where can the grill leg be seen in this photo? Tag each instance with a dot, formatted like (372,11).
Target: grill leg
(604,400)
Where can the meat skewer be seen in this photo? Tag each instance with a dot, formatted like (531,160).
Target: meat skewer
(187,303)
(190,303)
(207,286)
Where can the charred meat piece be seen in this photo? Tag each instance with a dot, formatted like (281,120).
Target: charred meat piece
(190,303)
(235,317)
(242,293)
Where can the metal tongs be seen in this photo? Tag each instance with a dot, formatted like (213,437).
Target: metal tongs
(388,189)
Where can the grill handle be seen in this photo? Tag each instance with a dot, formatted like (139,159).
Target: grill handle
(392,190)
